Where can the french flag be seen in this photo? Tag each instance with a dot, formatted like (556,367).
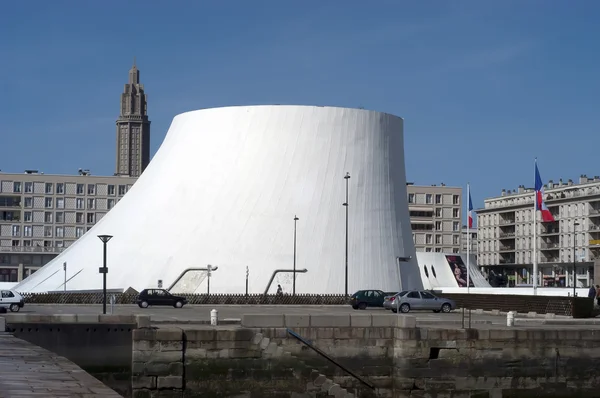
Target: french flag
(470,213)
(539,198)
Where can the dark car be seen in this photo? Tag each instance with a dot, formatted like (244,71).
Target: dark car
(159,297)
(368,298)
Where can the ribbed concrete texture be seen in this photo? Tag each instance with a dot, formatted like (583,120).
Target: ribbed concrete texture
(224,189)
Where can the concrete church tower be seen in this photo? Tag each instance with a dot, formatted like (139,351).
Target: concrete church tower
(133,128)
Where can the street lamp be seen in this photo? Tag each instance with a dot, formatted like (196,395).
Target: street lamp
(345,204)
(294,278)
(247,274)
(574,258)
(104,270)
(209,269)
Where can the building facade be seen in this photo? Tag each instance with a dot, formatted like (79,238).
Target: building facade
(435,217)
(567,249)
(133,129)
(41,215)
(471,242)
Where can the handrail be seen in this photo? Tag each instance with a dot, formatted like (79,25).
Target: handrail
(333,361)
(185,271)
(299,271)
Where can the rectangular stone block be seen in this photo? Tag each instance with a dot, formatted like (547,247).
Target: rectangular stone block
(361,320)
(383,320)
(234,334)
(297,321)
(87,318)
(170,345)
(146,345)
(164,382)
(161,368)
(64,318)
(330,320)
(195,353)
(406,321)
(157,356)
(200,334)
(499,334)
(116,319)
(263,321)
(143,382)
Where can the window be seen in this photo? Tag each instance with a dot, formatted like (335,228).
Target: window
(428,239)
(27,243)
(48,231)
(79,189)
(455,213)
(438,239)
(438,250)
(111,189)
(455,226)
(79,203)
(48,217)
(79,218)
(60,187)
(60,232)
(28,202)
(27,216)
(455,250)
(411,198)
(414,295)
(17,187)
(438,212)
(15,242)
(455,199)
(28,187)
(91,189)
(427,296)
(438,199)
(78,232)
(122,189)
(426,272)
(455,239)
(48,188)
(48,203)
(110,204)
(90,218)
(428,198)
(16,230)
(60,203)
(91,204)
(438,225)
(27,231)
(60,217)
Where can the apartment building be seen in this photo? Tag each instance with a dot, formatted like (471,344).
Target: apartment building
(471,242)
(435,217)
(568,249)
(42,215)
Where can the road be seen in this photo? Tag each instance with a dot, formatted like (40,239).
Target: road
(201,313)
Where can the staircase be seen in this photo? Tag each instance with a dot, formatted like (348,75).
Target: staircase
(319,385)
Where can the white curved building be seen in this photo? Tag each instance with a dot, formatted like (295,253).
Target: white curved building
(224,189)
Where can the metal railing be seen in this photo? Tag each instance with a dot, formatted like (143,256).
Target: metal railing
(333,361)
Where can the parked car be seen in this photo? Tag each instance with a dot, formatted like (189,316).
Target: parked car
(389,300)
(11,300)
(368,298)
(419,300)
(159,297)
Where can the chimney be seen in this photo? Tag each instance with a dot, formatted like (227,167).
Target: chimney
(570,182)
(503,192)
(521,188)
(583,179)
(560,183)
(596,178)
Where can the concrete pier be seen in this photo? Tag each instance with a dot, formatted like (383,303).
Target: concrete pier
(31,371)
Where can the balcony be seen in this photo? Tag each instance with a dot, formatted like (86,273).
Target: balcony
(550,246)
(550,231)
(506,248)
(506,235)
(10,202)
(592,212)
(507,222)
(550,259)
(506,261)
(31,249)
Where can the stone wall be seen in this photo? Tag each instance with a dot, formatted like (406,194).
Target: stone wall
(387,352)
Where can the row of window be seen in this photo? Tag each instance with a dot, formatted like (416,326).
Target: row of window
(429,199)
(80,203)
(438,239)
(79,231)
(58,231)
(438,226)
(438,213)
(49,188)
(439,250)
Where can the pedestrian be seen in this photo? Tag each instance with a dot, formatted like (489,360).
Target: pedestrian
(592,292)
(598,294)
(279,290)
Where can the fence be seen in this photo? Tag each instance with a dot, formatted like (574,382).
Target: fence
(239,299)
(511,302)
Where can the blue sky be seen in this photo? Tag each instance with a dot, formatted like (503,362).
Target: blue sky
(483,86)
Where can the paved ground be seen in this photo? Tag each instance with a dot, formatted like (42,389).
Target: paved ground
(30,371)
(201,313)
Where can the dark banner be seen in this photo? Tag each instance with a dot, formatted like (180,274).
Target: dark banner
(459,270)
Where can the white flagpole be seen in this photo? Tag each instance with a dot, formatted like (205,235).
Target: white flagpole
(534,248)
(468,241)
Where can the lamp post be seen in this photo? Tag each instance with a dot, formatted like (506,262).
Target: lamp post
(347,178)
(247,274)
(104,270)
(294,277)
(209,268)
(65,270)
(574,259)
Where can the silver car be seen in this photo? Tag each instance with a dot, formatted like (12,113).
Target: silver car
(418,300)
